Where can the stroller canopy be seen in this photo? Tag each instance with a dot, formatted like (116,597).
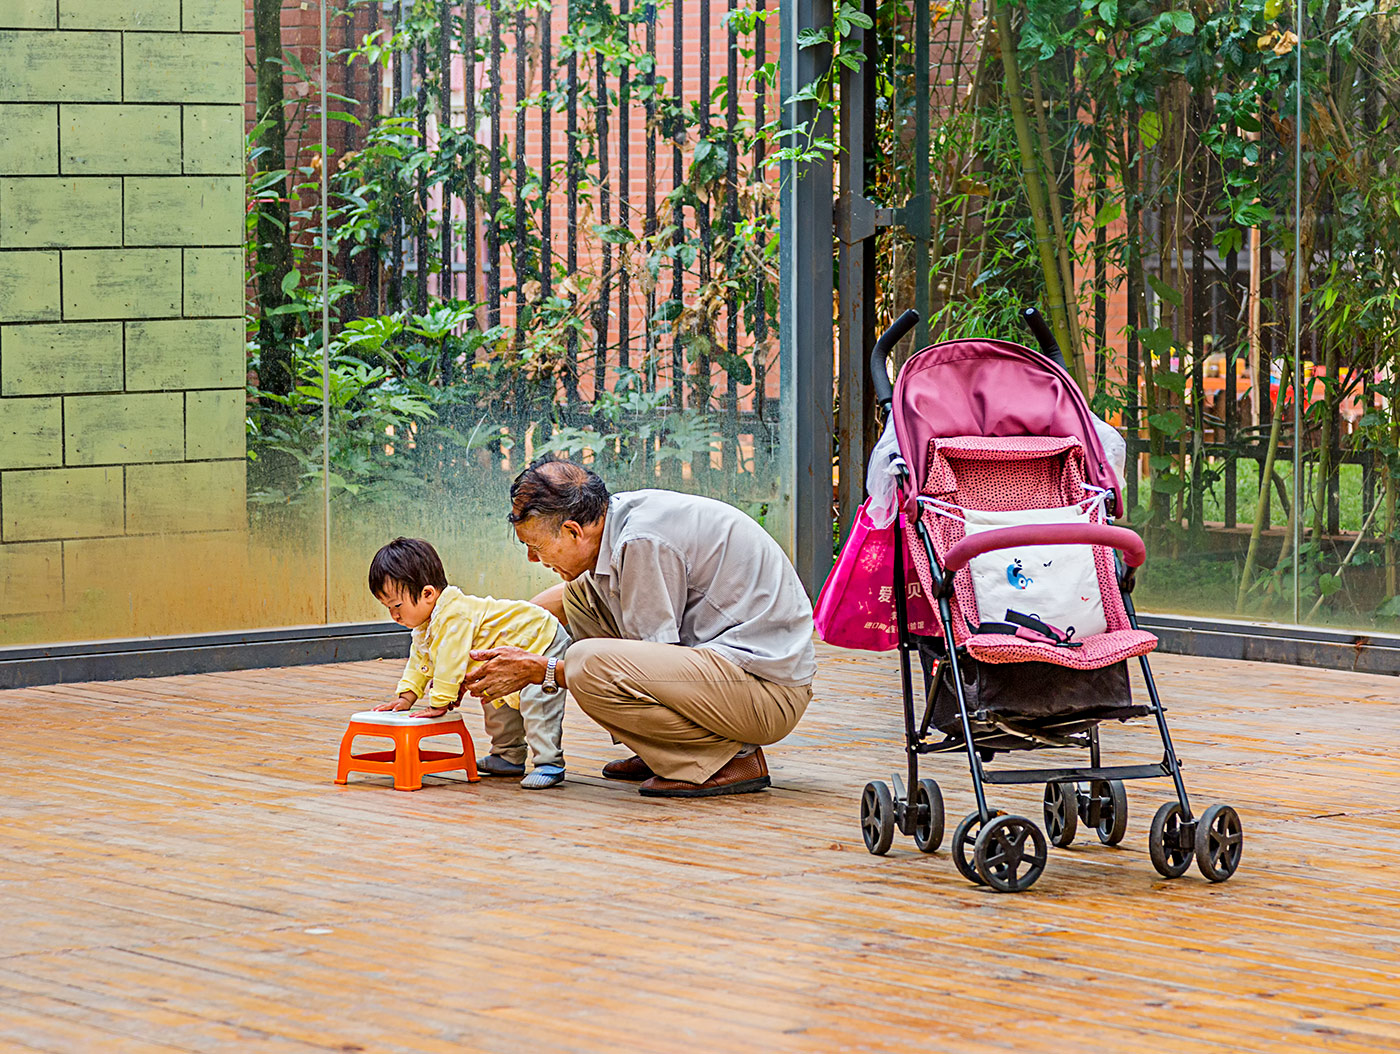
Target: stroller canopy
(992,388)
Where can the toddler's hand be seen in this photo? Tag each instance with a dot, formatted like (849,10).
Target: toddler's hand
(433,712)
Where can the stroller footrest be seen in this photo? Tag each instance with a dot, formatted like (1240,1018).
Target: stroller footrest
(1076,775)
(1092,653)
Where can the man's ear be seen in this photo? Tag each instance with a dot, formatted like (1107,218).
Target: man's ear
(571,528)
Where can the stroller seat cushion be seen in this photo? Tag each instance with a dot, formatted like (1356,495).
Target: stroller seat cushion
(1057,583)
(1099,650)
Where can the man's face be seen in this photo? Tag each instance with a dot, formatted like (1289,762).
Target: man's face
(568,549)
(403,609)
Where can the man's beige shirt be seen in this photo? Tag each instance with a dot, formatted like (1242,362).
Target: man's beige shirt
(680,569)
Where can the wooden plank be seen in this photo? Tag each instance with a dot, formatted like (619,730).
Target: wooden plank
(178,872)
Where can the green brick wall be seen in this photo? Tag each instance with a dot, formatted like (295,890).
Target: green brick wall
(121,285)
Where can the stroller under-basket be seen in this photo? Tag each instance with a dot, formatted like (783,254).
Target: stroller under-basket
(1003,484)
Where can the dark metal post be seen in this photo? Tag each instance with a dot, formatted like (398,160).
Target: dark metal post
(855,231)
(805,291)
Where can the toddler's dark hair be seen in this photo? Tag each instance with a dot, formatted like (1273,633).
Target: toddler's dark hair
(409,563)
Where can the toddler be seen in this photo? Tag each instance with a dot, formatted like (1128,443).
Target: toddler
(407,577)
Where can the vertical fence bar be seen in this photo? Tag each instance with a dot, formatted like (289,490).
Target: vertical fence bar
(446,285)
(624,164)
(470,239)
(760,312)
(805,323)
(649,224)
(604,293)
(678,213)
(855,241)
(374,88)
(702,384)
(421,244)
(396,257)
(1231,327)
(493,231)
(731,216)
(520,254)
(571,370)
(546,17)
(919,204)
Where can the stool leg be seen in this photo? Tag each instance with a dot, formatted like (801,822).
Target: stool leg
(407,774)
(469,756)
(342,772)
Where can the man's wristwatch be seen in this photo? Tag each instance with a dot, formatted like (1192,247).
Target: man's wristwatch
(550,685)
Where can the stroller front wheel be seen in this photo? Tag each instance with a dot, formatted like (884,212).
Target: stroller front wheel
(877,817)
(1219,842)
(964,839)
(1165,843)
(1010,854)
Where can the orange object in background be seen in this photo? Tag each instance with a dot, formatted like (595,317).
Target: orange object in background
(408,762)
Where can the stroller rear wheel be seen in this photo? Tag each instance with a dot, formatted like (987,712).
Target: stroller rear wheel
(964,839)
(1010,854)
(928,816)
(877,817)
(1219,842)
(1164,844)
(1113,810)
(1061,813)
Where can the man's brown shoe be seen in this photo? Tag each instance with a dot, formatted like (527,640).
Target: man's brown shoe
(633,768)
(740,775)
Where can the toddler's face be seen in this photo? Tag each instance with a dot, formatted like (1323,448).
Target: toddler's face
(404,610)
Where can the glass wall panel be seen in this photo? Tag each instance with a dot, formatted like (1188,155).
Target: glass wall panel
(1349,236)
(1137,175)
(127,506)
(552,230)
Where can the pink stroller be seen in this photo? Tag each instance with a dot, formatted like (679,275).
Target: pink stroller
(1007,501)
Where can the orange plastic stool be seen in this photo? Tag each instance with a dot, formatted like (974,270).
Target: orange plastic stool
(408,761)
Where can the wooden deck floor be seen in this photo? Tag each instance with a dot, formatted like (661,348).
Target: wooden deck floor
(179,873)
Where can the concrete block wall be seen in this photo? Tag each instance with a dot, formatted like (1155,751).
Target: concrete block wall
(121,288)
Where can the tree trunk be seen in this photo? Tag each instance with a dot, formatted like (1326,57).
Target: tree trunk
(274,234)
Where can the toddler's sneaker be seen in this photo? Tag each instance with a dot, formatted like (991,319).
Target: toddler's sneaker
(544,776)
(495,765)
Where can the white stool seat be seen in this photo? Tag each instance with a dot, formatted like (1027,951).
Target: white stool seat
(404,717)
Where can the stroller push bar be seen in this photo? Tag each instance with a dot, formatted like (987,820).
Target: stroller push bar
(879,372)
(1120,538)
(1043,337)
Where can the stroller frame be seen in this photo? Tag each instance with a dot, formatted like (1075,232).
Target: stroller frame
(1008,853)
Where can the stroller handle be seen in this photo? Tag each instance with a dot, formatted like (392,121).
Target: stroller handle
(1048,347)
(879,373)
(1120,538)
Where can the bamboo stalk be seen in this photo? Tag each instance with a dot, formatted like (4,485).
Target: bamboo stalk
(1030,179)
(1074,353)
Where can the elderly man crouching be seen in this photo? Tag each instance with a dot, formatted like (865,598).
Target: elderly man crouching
(692,634)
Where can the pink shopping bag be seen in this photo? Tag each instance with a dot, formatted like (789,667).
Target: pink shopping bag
(856,606)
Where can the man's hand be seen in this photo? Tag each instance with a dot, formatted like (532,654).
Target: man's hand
(503,671)
(403,702)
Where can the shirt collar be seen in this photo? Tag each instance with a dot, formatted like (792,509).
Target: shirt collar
(611,526)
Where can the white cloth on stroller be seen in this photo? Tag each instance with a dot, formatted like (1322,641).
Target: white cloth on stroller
(882,478)
(1115,447)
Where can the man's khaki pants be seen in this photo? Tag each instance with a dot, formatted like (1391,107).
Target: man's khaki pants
(684,711)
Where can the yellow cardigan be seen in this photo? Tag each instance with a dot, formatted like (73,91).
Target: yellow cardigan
(460,624)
